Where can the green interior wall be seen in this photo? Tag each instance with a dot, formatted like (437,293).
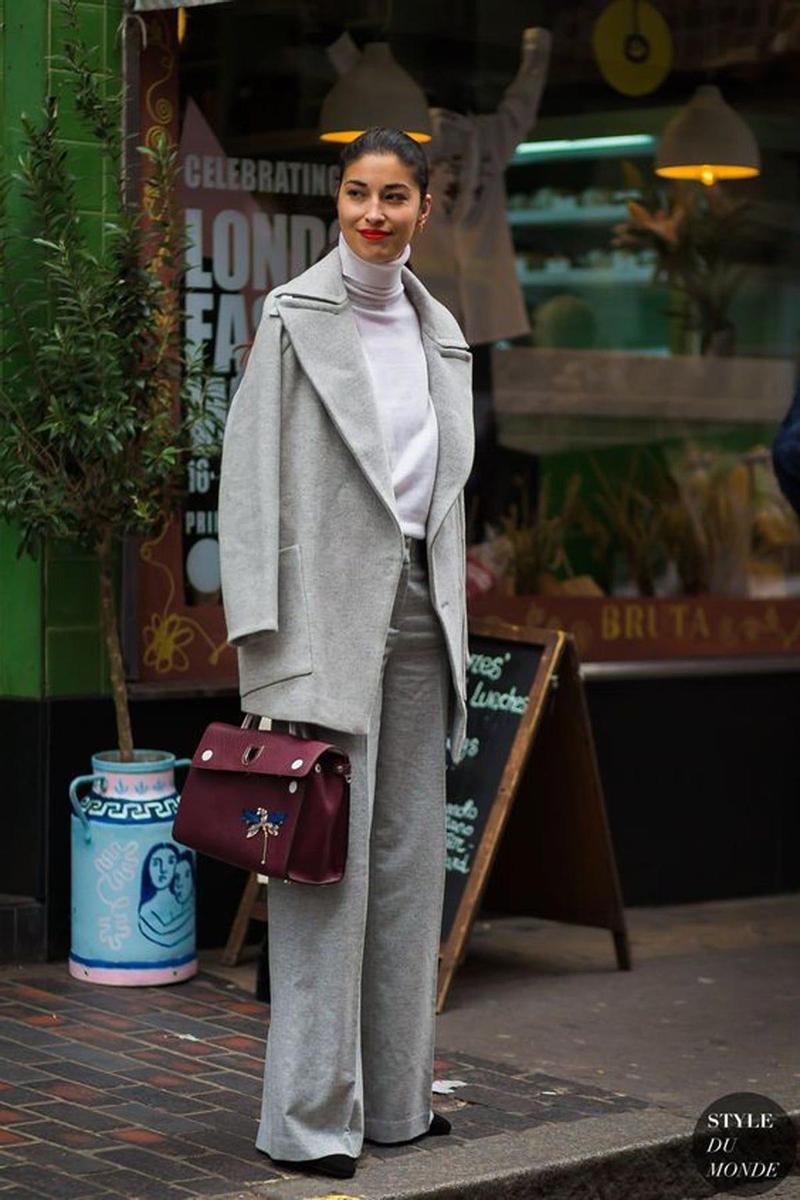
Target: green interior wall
(50,637)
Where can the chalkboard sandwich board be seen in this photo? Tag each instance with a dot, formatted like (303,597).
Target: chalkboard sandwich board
(529,749)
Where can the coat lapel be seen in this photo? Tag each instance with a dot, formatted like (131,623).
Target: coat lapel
(319,320)
(450,383)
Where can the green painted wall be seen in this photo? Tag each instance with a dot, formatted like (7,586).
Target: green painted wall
(23,46)
(21,654)
(50,640)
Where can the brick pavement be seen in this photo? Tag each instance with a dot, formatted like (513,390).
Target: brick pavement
(153,1093)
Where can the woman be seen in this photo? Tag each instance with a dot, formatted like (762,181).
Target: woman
(341,525)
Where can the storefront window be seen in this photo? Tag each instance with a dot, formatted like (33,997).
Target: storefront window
(634,336)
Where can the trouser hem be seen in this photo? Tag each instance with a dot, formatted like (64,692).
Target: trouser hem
(397,1131)
(291,1152)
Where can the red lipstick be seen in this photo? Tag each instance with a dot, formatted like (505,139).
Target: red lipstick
(373,235)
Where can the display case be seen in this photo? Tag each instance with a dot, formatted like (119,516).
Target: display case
(658,531)
(580,289)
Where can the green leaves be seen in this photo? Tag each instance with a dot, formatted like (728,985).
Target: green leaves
(101,403)
(97,100)
(704,242)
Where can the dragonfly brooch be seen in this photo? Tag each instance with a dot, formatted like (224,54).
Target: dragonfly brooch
(261,820)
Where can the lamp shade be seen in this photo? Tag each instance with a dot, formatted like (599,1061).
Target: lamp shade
(708,141)
(376,91)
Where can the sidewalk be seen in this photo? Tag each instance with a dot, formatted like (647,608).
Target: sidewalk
(579,1080)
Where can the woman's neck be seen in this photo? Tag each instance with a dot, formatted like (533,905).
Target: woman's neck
(372,283)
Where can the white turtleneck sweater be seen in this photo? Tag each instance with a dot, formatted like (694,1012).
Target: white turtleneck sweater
(390,334)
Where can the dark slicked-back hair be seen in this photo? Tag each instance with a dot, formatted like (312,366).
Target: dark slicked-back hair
(379,140)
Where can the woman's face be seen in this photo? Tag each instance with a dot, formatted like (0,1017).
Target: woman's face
(182,885)
(378,194)
(162,868)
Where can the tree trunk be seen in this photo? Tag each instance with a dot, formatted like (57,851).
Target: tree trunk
(719,341)
(108,610)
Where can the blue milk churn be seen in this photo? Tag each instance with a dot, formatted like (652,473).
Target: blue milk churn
(133,886)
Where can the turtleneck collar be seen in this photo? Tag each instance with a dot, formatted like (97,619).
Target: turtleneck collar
(377,283)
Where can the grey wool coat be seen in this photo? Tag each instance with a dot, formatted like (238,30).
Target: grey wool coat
(311,550)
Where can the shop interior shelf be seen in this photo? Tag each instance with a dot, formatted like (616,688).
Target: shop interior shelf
(586,277)
(604,214)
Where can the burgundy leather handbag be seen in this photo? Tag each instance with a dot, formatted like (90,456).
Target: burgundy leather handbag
(269,802)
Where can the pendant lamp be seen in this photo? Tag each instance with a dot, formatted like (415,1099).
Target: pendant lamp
(708,141)
(376,91)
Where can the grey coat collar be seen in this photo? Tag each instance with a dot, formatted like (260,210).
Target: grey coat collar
(323,281)
(320,323)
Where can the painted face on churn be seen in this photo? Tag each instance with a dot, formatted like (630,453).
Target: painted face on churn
(379,206)
(162,867)
(182,883)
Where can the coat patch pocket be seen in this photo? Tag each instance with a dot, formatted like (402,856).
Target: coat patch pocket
(456,351)
(285,652)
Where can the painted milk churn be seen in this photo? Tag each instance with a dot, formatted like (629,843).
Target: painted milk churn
(133,885)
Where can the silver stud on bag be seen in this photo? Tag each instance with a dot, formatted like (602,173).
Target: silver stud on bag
(297,764)
(317,767)
(206,755)
(293,785)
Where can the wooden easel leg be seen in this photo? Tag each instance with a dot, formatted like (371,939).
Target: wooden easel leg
(447,969)
(622,949)
(249,909)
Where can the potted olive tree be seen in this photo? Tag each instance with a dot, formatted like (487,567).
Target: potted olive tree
(101,404)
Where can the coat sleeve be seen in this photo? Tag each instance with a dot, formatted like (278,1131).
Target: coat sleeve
(462,503)
(786,454)
(516,113)
(249,492)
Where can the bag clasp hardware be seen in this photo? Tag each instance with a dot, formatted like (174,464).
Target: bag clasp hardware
(250,754)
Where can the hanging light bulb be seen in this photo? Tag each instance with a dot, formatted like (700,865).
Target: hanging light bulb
(376,91)
(707,141)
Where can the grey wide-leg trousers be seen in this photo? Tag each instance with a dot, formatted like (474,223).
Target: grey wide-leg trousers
(353,964)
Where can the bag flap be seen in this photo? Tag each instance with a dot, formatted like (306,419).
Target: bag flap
(259,751)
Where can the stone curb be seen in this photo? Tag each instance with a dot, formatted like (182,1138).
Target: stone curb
(643,1155)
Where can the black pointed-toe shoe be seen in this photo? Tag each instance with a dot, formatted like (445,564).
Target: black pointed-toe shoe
(339,1166)
(439,1125)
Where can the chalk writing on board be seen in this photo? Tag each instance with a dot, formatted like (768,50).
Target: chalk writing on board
(460,828)
(491,666)
(510,701)
(499,680)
